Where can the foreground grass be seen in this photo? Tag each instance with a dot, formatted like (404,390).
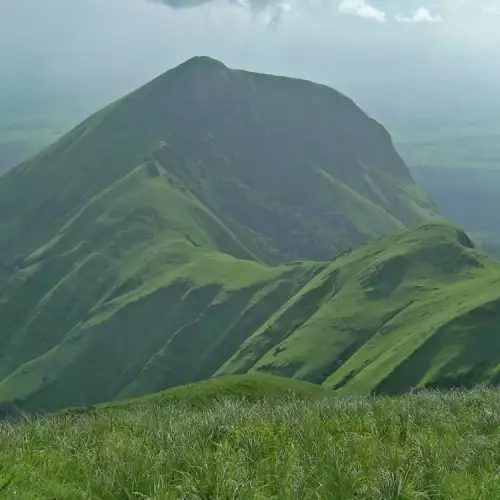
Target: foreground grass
(430,445)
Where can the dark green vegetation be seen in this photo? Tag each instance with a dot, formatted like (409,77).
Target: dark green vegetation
(469,197)
(428,445)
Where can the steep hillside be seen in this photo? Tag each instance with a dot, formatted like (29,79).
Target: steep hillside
(414,308)
(128,278)
(293,169)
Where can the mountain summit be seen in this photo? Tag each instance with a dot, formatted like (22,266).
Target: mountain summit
(290,168)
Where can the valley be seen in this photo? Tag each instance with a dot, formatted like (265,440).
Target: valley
(468,197)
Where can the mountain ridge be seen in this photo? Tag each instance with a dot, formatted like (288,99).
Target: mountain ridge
(213,328)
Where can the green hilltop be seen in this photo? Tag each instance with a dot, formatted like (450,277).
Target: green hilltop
(171,237)
(251,388)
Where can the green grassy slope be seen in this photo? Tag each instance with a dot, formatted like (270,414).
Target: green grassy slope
(429,445)
(413,308)
(137,259)
(416,308)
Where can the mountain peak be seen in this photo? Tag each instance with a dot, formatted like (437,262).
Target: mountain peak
(196,68)
(201,62)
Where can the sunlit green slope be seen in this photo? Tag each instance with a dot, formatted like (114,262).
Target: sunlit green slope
(415,308)
(419,307)
(129,278)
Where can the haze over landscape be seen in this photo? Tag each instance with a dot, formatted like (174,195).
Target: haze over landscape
(242,241)
(437,71)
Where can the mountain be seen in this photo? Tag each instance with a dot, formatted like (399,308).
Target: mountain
(291,169)
(154,244)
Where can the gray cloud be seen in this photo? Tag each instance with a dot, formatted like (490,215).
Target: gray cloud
(251,4)
(272,11)
(181,4)
(406,11)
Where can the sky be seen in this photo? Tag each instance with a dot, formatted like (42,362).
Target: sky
(84,53)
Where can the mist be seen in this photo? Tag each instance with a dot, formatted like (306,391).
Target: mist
(70,57)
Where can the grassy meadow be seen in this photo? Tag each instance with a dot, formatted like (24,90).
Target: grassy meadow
(252,442)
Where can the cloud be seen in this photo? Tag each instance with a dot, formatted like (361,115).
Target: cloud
(491,10)
(275,14)
(255,5)
(360,8)
(421,15)
(181,4)
(272,11)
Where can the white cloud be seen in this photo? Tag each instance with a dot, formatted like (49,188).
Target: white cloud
(360,8)
(491,10)
(421,15)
